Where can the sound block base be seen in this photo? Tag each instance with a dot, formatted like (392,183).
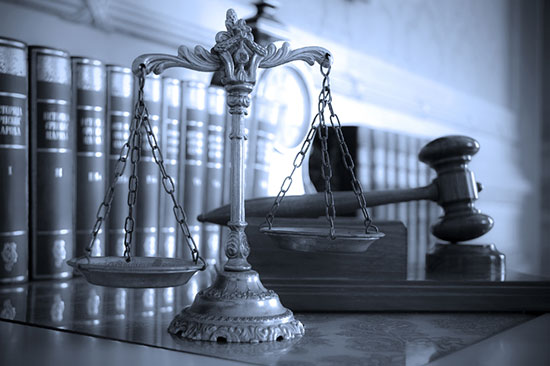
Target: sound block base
(466,261)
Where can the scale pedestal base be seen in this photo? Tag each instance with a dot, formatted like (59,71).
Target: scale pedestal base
(236,308)
(481,261)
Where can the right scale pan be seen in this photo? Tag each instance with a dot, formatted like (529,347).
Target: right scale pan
(314,236)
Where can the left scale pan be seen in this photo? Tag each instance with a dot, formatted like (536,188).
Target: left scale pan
(140,272)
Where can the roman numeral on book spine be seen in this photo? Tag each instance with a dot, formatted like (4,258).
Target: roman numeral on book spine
(13,162)
(52,178)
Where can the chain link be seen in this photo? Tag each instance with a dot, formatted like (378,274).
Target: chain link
(132,148)
(325,100)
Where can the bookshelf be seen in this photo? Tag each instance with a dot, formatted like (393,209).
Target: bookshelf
(367,92)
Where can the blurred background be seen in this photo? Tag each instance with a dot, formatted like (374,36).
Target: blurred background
(404,70)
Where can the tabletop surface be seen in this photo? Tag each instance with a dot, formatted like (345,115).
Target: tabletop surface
(141,316)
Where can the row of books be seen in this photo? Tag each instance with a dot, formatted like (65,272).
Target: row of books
(389,160)
(63,122)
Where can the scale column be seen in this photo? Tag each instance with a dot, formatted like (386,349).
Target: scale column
(236,248)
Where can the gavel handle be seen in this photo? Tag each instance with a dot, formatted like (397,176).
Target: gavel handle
(313,205)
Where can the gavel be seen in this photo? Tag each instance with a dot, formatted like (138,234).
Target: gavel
(454,189)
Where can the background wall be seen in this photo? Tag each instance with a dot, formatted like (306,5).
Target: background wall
(426,67)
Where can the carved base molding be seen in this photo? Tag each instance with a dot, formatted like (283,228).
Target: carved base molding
(236,308)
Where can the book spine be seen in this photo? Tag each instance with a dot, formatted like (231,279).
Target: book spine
(120,83)
(423,213)
(412,206)
(147,206)
(401,171)
(52,178)
(391,171)
(249,146)
(378,144)
(214,171)
(267,116)
(227,161)
(14,226)
(363,162)
(196,117)
(89,103)
(170,146)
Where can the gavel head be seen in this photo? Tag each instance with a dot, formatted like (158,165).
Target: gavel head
(457,188)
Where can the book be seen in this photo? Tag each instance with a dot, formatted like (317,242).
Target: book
(147,207)
(89,105)
(422,214)
(195,117)
(391,171)
(214,171)
(412,206)
(363,160)
(378,143)
(401,171)
(14,196)
(52,163)
(120,83)
(170,147)
(262,147)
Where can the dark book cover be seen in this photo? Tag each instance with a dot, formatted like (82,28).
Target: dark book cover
(170,146)
(378,171)
(147,206)
(52,163)
(195,124)
(89,105)
(391,172)
(14,196)
(120,84)
(214,171)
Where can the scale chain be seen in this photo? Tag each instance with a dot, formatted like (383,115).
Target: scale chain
(132,147)
(105,206)
(325,100)
(169,187)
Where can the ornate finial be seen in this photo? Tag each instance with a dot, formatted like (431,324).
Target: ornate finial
(235,52)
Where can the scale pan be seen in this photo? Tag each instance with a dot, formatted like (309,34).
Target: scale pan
(348,238)
(140,272)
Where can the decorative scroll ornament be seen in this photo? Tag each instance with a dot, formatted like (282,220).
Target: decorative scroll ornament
(9,255)
(59,252)
(235,53)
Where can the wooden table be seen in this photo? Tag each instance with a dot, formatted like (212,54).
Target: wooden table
(57,312)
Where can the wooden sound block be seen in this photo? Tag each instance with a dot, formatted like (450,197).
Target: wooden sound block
(466,261)
(385,259)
